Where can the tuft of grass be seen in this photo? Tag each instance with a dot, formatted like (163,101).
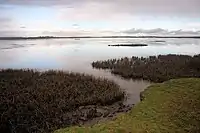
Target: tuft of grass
(32,101)
(169,107)
(153,68)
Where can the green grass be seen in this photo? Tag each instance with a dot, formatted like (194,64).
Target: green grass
(169,107)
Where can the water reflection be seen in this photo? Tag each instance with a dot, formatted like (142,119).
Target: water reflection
(77,55)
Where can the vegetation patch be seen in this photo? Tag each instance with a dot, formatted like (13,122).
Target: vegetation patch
(32,101)
(153,68)
(129,45)
(169,107)
(159,41)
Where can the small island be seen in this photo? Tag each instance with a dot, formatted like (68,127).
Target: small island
(129,45)
(159,41)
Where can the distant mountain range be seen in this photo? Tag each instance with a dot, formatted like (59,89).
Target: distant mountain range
(79,37)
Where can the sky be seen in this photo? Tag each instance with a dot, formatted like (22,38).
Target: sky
(99,17)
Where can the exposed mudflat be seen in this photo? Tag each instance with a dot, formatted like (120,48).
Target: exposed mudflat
(93,114)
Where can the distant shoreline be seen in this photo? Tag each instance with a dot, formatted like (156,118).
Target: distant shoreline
(79,37)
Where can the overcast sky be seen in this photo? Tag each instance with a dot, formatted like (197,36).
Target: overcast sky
(98,17)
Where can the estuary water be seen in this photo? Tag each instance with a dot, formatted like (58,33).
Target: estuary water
(77,56)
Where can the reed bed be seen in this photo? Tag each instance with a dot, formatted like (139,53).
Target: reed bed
(153,68)
(32,101)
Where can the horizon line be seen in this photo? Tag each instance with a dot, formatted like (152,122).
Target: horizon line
(77,37)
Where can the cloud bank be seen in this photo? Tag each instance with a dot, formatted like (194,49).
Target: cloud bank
(105,7)
(108,15)
(160,31)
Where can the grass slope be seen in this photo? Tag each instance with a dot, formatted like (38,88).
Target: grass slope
(169,107)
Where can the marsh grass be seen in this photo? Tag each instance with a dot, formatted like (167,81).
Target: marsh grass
(32,101)
(153,68)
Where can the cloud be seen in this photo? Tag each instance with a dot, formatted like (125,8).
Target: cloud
(18,33)
(9,26)
(159,31)
(116,11)
(148,31)
(4,19)
(29,33)
(91,11)
(8,33)
(40,2)
(182,32)
(5,24)
(133,32)
(80,33)
(101,14)
(193,25)
(145,7)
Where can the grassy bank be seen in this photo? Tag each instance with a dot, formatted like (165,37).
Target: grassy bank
(169,107)
(32,101)
(154,68)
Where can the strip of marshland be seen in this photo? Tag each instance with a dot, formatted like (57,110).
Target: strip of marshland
(32,101)
(129,45)
(153,68)
(169,107)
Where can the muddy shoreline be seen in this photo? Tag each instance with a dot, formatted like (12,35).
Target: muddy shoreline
(93,114)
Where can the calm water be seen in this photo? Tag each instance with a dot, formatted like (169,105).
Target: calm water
(77,55)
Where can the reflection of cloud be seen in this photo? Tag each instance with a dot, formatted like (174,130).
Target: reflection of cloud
(13,46)
(7,57)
